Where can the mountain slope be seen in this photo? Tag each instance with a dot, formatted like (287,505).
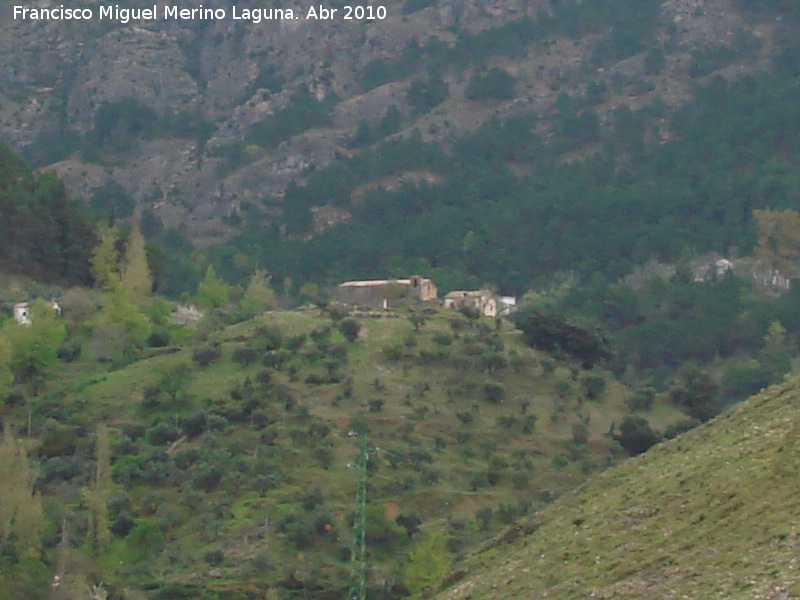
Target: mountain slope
(177,113)
(711,514)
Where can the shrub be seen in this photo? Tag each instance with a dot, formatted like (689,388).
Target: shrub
(350,329)
(294,343)
(465,417)
(484,516)
(494,84)
(393,353)
(679,427)
(69,351)
(494,393)
(443,339)
(642,400)
(205,355)
(160,338)
(122,524)
(636,435)
(593,386)
(528,423)
(193,424)
(267,338)
(245,356)
(319,334)
(162,433)
(207,477)
(426,93)
(580,434)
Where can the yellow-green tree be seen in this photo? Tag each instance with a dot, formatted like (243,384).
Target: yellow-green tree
(119,309)
(258,296)
(105,258)
(778,237)
(136,277)
(428,563)
(21,517)
(213,292)
(776,355)
(100,491)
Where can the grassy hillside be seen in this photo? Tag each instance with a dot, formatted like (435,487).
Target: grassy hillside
(220,466)
(710,514)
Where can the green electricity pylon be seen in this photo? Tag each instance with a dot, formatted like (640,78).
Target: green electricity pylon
(358,553)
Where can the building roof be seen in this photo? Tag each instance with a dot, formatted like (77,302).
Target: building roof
(468,294)
(374,282)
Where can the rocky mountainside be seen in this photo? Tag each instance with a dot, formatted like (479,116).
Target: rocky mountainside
(200,120)
(711,514)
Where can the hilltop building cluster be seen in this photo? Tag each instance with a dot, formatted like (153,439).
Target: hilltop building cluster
(392,293)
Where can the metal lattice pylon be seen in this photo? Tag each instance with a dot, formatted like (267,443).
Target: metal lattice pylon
(358,553)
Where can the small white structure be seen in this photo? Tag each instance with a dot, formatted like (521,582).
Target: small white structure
(22,313)
(508,305)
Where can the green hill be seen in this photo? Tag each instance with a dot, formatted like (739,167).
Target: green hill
(220,466)
(710,514)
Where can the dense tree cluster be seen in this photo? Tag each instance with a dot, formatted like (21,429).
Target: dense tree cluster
(43,233)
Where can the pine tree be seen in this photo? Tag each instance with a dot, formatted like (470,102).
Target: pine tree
(136,275)
(105,258)
(213,292)
(258,296)
(776,356)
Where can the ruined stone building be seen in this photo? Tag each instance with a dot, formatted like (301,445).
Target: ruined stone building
(481,300)
(387,293)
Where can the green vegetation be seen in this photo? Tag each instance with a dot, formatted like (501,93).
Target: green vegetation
(303,112)
(608,214)
(43,233)
(494,84)
(118,124)
(211,458)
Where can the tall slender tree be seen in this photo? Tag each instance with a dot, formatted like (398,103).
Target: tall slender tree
(136,276)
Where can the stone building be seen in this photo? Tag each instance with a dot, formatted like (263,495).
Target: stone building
(386,293)
(481,300)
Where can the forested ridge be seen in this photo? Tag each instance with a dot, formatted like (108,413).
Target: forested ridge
(731,152)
